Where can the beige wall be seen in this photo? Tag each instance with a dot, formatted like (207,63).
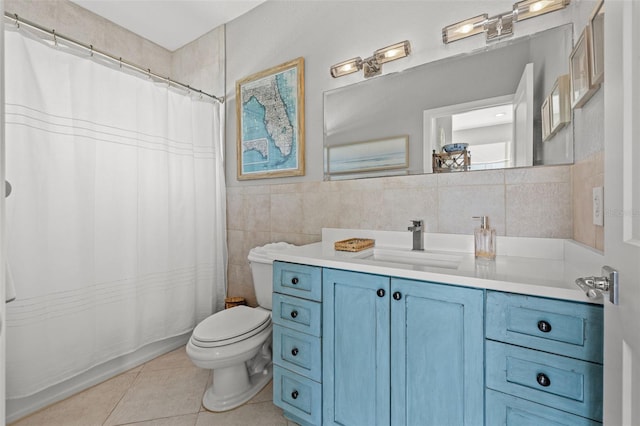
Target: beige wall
(199,64)
(587,174)
(527,202)
(73,21)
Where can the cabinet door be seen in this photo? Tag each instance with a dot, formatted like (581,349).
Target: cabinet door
(355,352)
(437,354)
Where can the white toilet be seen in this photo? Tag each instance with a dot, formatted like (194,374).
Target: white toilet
(236,343)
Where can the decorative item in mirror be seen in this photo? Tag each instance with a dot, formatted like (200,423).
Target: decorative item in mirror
(597,43)
(580,69)
(369,156)
(546,120)
(270,116)
(451,161)
(559,105)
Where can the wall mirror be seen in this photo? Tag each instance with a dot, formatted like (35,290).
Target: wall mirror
(488,101)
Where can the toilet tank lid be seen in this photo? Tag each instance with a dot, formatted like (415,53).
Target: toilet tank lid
(264,254)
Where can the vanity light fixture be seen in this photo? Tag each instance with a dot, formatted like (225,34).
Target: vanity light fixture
(530,8)
(464,29)
(372,65)
(347,67)
(500,25)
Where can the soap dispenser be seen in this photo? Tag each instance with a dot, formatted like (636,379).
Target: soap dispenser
(485,239)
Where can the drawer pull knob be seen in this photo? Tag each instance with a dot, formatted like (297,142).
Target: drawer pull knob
(294,394)
(294,351)
(294,314)
(544,326)
(543,380)
(397,295)
(294,280)
(380,292)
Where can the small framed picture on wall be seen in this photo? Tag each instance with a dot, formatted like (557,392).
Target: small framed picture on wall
(580,71)
(597,44)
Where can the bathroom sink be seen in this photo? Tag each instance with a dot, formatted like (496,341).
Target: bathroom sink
(410,257)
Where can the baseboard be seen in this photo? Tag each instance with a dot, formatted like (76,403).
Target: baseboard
(18,408)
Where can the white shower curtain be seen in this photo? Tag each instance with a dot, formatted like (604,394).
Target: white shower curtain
(116,223)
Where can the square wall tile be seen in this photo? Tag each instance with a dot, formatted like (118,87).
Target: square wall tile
(483,177)
(539,210)
(458,204)
(286,212)
(546,174)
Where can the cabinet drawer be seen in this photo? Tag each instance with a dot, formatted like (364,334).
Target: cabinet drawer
(564,383)
(297,395)
(297,280)
(507,410)
(556,326)
(298,352)
(298,314)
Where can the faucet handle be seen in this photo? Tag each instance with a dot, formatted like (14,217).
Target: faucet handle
(418,225)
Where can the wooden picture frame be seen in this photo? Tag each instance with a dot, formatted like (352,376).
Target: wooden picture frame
(596,22)
(546,119)
(580,71)
(270,122)
(368,156)
(559,104)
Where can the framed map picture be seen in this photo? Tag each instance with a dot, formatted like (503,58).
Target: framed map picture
(270,116)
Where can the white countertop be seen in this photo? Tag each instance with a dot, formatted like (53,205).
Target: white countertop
(534,266)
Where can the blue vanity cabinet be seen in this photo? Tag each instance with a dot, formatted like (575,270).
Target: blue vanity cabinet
(544,361)
(356,349)
(297,350)
(437,373)
(401,352)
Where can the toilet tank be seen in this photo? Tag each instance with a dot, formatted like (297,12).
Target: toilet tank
(261,262)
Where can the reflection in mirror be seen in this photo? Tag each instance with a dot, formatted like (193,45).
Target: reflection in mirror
(452,101)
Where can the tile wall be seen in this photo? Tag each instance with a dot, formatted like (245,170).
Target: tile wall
(73,21)
(587,174)
(527,202)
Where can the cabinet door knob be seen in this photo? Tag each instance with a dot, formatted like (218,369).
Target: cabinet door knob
(544,326)
(294,314)
(294,351)
(380,292)
(294,280)
(294,394)
(543,379)
(397,295)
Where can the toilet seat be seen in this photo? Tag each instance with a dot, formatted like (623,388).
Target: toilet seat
(230,326)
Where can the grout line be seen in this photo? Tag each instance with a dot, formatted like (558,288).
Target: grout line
(126,391)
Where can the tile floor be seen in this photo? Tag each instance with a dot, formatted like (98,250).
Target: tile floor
(166,391)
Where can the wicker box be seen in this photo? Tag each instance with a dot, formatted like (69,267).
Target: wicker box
(231,302)
(354,244)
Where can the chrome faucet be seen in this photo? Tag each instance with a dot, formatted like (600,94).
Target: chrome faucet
(418,229)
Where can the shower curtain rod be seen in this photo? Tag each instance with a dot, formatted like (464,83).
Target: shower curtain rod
(56,36)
